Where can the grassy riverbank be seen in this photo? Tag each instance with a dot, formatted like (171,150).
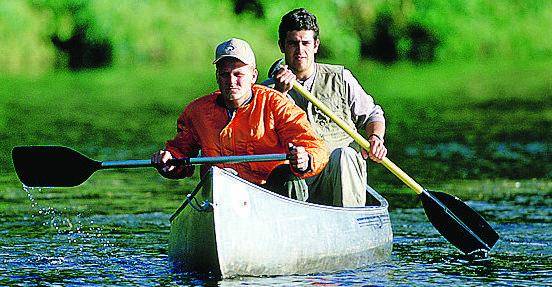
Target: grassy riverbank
(446,122)
(143,191)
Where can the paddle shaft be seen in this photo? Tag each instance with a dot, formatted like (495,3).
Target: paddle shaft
(471,233)
(196,160)
(358,138)
(59,166)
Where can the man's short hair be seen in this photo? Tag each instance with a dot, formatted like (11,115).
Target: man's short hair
(297,20)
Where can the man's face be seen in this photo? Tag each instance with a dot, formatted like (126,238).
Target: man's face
(235,79)
(299,48)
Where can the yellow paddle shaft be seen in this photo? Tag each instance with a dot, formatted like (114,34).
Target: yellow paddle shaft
(358,138)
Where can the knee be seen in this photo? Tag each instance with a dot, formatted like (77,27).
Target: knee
(347,158)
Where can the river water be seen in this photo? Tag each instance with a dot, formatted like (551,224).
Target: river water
(49,247)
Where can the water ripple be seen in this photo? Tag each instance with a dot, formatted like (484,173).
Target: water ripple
(51,248)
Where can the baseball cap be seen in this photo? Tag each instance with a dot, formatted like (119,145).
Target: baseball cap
(235,48)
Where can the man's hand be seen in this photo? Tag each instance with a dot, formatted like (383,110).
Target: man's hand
(161,161)
(377,150)
(298,158)
(283,80)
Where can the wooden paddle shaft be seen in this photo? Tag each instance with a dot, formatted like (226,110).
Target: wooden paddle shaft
(358,138)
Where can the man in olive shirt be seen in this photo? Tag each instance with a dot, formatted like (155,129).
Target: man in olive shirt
(343,181)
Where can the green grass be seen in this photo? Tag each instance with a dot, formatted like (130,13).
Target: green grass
(495,190)
(445,121)
(144,191)
(106,192)
(178,32)
(467,120)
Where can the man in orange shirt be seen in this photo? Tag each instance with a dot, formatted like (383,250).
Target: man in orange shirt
(243,118)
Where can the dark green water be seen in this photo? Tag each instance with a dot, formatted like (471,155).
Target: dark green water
(52,247)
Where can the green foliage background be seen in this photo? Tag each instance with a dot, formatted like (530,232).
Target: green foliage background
(481,109)
(184,32)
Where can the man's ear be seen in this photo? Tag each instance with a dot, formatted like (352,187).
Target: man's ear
(281,44)
(255,75)
(316,45)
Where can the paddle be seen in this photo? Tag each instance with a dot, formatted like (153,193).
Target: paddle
(457,222)
(58,166)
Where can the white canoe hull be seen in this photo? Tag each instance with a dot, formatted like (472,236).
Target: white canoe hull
(254,232)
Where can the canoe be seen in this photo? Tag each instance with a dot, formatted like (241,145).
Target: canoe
(235,228)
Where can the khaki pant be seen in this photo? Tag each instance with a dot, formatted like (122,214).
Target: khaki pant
(341,183)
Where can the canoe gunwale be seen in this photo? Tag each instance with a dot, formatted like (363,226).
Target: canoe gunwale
(383,202)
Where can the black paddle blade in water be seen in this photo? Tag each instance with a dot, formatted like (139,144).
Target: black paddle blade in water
(52,166)
(458,223)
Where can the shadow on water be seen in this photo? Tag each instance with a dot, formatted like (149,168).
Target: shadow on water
(57,246)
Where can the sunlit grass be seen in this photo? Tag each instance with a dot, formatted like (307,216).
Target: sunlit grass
(445,121)
(144,191)
(106,192)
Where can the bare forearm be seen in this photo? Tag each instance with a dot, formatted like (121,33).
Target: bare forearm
(375,132)
(377,128)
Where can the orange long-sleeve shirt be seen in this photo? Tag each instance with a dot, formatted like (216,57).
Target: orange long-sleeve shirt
(264,125)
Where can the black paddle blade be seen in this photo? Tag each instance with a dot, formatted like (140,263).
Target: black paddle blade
(52,166)
(275,68)
(458,223)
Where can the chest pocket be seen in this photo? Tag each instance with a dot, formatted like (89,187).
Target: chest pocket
(323,123)
(330,90)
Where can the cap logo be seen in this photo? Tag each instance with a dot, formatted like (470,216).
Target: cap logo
(229,49)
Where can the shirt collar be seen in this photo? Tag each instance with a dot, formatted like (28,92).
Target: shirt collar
(309,82)
(232,111)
